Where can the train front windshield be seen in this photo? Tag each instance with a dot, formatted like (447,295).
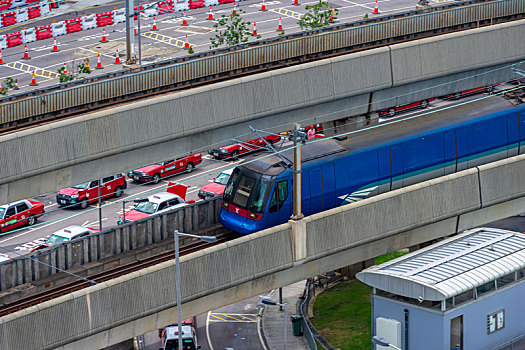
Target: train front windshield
(248,190)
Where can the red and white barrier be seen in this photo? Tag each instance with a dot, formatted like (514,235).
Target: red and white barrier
(195,4)
(119,16)
(89,22)
(22,15)
(44,8)
(165,6)
(208,3)
(5,5)
(14,39)
(28,35)
(181,6)
(33,12)
(3,42)
(43,32)
(8,18)
(17,3)
(58,29)
(73,25)
(104,18)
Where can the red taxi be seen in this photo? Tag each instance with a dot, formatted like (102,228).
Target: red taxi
(460,94)
(233,151)
(217,186)
(84,194)
(390,112)
(158,203)
(20,213)
(155,172)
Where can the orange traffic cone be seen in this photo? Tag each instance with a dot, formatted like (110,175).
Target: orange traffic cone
(134,29)
(104,37)
(87,64)
(254,33)
(55,45)
(117,57)
(1,59)
(331,19)
(99,63)
(65,68)
(296,2)
(376,9)
(16,84)
(234,8)
(186,44)
(184,21)
(280,26)
(263,6)
(210,15)
(33,80)
(154,28)
(26,53)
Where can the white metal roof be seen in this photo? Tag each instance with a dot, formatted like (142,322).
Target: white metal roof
(450,267)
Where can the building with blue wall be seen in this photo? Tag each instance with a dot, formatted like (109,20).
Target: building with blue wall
(468,290)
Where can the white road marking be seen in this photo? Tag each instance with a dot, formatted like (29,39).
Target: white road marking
(208,330)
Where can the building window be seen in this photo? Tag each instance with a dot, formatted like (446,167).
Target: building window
(495,321)
(521,274)
(504,280)
(464,297)
(486,288)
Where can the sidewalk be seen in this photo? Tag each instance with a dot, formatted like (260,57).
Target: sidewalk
(273,320)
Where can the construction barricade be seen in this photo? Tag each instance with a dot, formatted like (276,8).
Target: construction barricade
(225,1)
(17,3)
(151,11)
(89,22)
(22,15)
(165,6)
(53,4)
(8,18)
(5,5)
(28,35)
(44,8)
(195,4)
(73,25)
(208,3)
(181,6)
(3,42)
(43,32)
(58,29)
(33,12)
(119,16)
(14,39)
(135,10)
(104,18)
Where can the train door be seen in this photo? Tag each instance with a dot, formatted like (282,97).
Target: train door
(328,186)
(449,140)
(280,208)
(316,189)
(461,148)
(383,156)
(396,164)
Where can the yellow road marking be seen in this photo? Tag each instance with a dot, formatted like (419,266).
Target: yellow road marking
(29,69)
(164,38)
(288,13)
(234,317)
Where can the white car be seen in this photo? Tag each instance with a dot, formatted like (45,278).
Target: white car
(4,257)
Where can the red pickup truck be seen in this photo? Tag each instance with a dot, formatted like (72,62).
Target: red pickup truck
(155,172)
(233,151)
(19,213)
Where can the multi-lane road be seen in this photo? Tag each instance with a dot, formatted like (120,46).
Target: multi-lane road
(168,41)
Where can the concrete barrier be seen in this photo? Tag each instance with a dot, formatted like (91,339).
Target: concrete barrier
(502,180)
(107,244)
(113,311)
(119,139)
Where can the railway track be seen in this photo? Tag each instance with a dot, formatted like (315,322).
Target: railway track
(223,235)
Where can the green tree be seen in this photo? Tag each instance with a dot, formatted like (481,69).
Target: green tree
(319,15)
(72,74)
(231,30)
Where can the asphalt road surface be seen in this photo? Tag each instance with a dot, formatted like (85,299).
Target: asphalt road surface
(167,42)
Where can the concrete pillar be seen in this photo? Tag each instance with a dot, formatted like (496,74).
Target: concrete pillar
(298,232)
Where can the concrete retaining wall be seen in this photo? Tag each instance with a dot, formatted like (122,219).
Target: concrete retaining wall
(107,244)
(143,301)
(118,139)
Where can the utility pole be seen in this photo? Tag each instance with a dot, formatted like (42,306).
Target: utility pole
(130,38)
(297,212)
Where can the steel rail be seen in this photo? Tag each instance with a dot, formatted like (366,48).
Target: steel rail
(223,235)
(252,58)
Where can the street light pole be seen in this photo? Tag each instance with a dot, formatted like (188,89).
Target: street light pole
(176,234)
(383,342)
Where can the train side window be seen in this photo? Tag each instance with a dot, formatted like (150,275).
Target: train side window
(279,196)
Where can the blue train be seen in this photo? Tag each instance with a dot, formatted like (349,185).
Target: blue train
(259,195)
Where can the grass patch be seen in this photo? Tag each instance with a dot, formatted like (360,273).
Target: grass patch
(342,314)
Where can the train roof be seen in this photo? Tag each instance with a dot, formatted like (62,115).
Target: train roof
(384,133)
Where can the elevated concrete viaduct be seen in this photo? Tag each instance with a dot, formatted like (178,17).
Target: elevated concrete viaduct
(143,301)
(54,156)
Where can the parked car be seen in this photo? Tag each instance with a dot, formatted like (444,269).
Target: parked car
(65,235)
(155,172)
(84,194)
(158,203)
(233,151)
(390,112)
(20,213)
(216,186)
(170,337)
(460,94)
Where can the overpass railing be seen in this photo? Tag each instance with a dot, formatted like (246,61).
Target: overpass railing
(253,57)
(106,244)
